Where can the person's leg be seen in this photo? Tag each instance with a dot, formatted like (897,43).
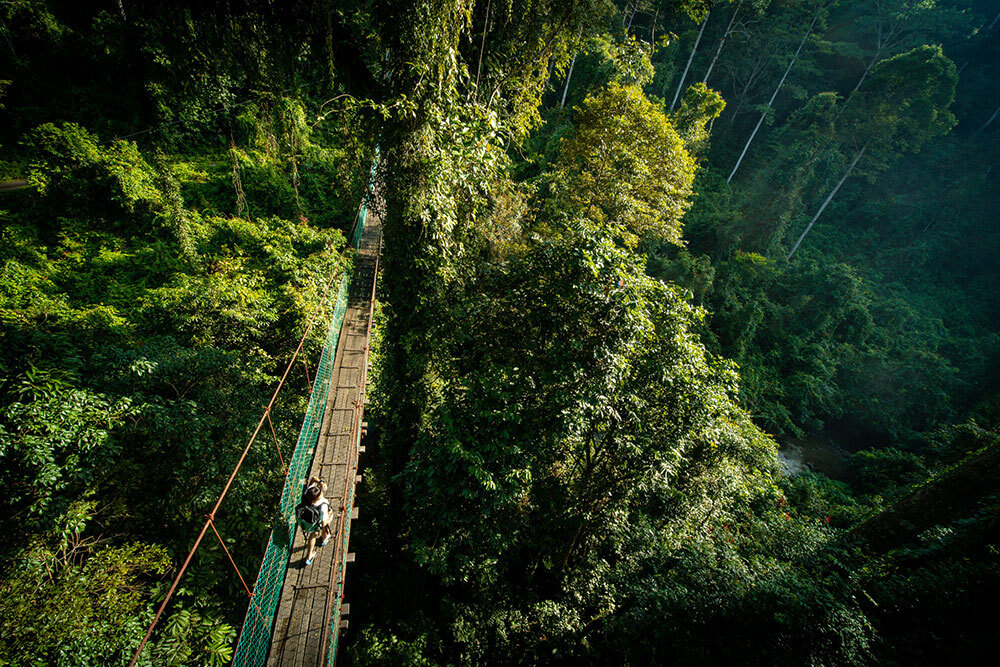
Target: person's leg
(310,546)
(325,533)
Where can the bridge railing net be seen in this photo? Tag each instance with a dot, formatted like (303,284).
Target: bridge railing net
(255,637)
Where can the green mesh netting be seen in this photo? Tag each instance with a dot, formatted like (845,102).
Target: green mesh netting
(360,227)
(255,637)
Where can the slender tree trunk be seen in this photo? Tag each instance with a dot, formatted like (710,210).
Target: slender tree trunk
(569,74)
(680,84)
(652,31)
(241,200)
(829,198)
(572,544)
(738,107)
(746,146)
(121,8)
(751,79)
(763,114)
(864,76)
(722,42)
(625,12)
(482,44)
(6,35)
(992,118)
(635,8)
(331,68)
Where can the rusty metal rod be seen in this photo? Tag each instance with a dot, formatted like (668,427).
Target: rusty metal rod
(238,573)
(276,445)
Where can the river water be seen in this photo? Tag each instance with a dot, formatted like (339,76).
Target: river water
(817,452)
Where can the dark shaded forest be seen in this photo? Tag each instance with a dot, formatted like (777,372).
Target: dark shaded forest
(641,257)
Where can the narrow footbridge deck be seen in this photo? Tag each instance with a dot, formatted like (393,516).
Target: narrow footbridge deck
(296,621)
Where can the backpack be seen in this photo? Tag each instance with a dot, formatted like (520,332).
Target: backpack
(309,515)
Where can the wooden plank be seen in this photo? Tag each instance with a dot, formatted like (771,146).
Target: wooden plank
(340,423)
(289,640)
(344,396)
(353,358)
(350,377)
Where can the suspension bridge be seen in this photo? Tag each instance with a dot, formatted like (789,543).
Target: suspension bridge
(295,612)
(310,612)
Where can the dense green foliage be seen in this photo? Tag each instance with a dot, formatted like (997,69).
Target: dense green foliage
(546,487)
(625,241)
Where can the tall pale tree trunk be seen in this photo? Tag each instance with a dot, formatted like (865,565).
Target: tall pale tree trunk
(694,50)
(482,44)
(829,198)
(864,75)
(755,72)
(857,86)
(635,8)
(6,36)
(763,114)
(569,74)
(888,35)
(722,42)
(625,12)
(991,119)
(739,105)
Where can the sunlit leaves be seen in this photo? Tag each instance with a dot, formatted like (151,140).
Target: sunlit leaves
(72,150)
(625,166)
(55,441)
(903,103)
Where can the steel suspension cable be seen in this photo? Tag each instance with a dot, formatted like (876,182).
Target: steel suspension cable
(276,445)
(233,563)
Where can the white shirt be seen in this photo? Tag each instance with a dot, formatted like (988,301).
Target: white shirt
(324,510)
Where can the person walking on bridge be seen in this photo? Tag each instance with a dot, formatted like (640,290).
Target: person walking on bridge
(314,516)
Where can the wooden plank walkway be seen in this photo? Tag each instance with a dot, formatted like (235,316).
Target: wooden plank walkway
(308,607)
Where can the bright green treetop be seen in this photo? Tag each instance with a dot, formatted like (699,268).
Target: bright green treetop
(626,166)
